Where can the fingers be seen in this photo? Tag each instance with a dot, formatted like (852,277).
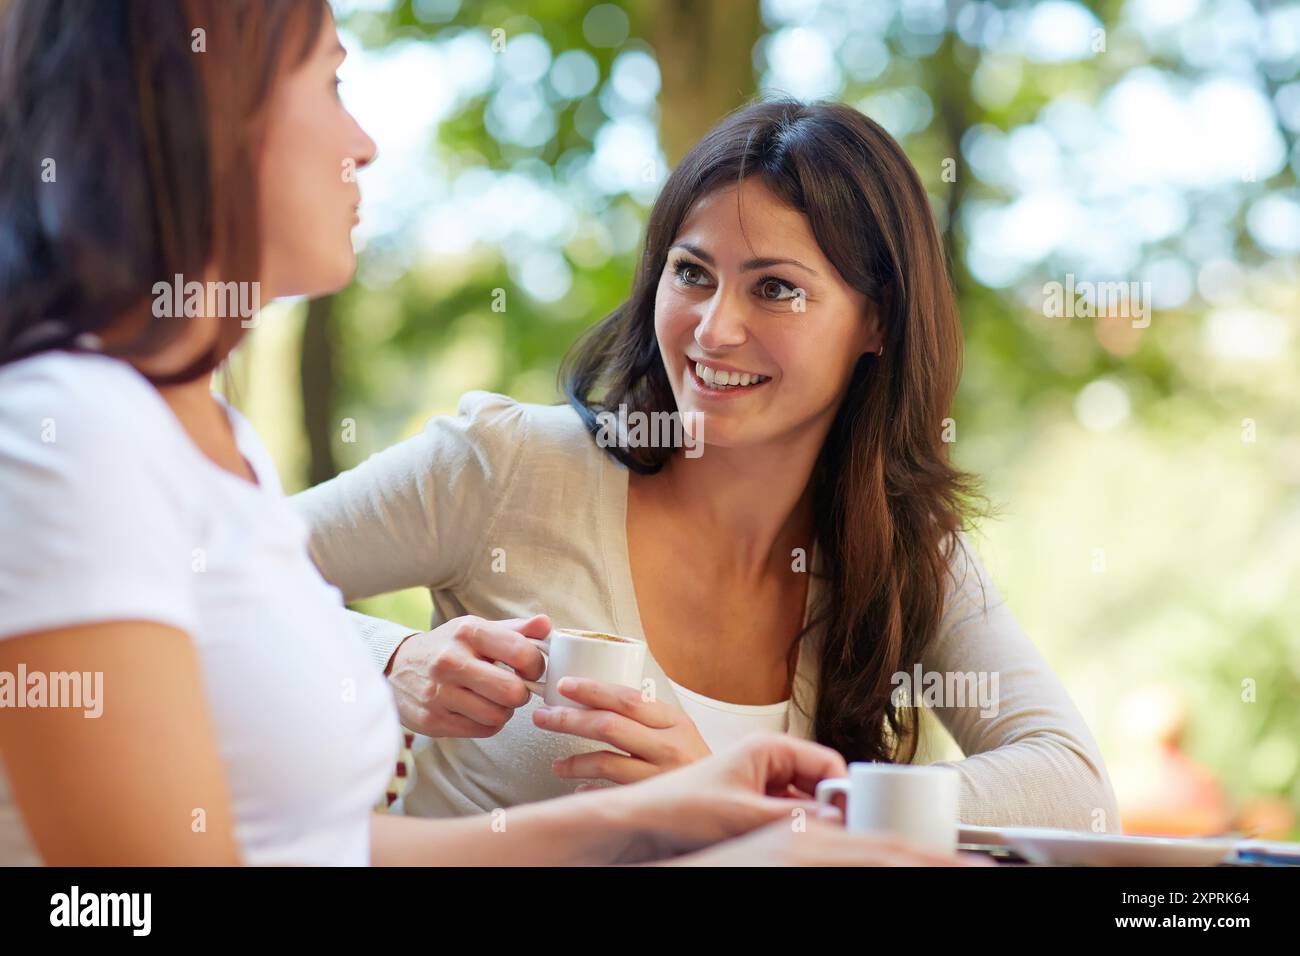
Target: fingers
(604,726)
(794,793)
(783,760)
(537,626)
(466,703)
(496,685)
(456,725)
(602,695)
(437,721)
(458,666)
(603,765)
(499,641)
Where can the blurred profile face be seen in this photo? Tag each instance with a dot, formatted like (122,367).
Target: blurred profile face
(308,190)
(758,332)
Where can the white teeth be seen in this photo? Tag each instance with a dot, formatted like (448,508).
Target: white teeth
(717,378)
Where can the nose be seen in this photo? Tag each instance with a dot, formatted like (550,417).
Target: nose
(723,325)
(364,149)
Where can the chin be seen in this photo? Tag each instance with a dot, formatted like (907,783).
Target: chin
(722,434)
(340,276)
(327,276)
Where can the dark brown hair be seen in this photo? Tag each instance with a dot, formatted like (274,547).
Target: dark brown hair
(887,502)
(150,113)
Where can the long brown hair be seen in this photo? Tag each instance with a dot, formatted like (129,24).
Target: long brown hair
(887,502)
(129,137)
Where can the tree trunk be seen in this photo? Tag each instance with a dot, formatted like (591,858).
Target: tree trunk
(319,388)
(952,108)
(705,53)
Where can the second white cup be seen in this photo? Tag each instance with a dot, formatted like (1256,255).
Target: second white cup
(918,804)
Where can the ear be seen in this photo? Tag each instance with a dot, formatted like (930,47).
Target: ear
(871,334)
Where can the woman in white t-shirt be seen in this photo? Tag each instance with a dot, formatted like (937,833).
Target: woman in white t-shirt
(177,683)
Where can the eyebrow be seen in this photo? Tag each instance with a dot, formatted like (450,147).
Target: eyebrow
(749,265)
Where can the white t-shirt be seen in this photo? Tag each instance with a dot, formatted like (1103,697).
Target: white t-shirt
(108,511)
(722,724)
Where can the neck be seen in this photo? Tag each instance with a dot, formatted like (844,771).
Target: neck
(208,425)
(197,410)
(752,505)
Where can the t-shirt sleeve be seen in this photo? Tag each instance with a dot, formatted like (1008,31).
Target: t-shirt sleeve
(1030,758)
(94,520)
(421,512)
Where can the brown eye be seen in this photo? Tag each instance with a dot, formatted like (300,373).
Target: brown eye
(772,289)
(688,274)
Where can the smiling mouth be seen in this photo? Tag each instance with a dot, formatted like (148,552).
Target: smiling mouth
(719,380)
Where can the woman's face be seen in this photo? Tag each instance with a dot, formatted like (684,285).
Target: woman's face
(764,306)
(309,193)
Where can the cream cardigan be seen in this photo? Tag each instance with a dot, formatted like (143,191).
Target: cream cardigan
(507,509)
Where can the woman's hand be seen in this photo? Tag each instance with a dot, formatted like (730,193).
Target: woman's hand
(765,778)
(762,787)
(447,683)
(657,737)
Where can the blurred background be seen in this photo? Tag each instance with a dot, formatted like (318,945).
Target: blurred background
(1147,478)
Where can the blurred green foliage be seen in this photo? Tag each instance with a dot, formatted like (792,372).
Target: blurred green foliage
(1150,527)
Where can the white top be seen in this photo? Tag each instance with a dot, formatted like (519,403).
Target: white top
(110,512)
(722,724)
(527,485)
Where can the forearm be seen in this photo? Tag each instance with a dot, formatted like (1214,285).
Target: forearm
(1031,759)
(598,828)
(1039,781)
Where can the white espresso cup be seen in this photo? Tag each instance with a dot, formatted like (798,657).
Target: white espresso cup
(570,652)
(918,804)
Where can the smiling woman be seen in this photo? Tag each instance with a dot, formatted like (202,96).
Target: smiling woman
(796,243)
(792,305)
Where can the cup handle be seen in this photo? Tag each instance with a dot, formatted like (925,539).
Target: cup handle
(830,788)
(538,686)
